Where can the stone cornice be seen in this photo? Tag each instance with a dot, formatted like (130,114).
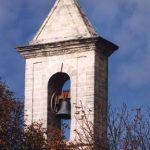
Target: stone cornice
(67,47)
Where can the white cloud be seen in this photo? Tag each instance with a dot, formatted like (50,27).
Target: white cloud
(9,11)
(133,37)
(128,24)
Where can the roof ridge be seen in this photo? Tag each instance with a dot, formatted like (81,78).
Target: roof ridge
(46,20)
(86,20)
(65,21)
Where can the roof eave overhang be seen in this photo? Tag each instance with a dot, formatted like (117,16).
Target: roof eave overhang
(69,46)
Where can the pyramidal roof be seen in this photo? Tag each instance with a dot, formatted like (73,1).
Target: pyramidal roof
(66,21)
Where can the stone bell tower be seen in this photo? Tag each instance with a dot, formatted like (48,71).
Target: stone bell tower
(66,47)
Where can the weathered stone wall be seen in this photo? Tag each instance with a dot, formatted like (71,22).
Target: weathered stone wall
(68,43)
(80,68)
(101,98)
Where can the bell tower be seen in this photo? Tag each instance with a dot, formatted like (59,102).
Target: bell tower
(67,48)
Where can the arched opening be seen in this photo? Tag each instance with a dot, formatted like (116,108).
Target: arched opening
(59,103)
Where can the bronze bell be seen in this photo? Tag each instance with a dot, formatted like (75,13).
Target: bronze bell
(65,109)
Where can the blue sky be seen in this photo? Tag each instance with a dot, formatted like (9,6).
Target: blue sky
(124,22)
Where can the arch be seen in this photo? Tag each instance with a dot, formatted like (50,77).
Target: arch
(55,93)
(70,70)
(57,81)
